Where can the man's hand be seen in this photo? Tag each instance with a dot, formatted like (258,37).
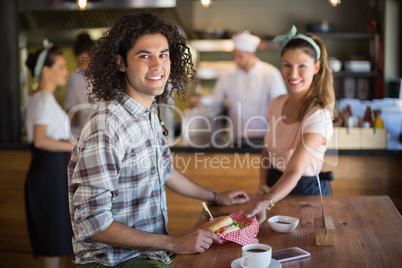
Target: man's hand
(233,197)
(194,241)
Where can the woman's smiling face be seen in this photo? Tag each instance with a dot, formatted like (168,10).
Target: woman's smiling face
(298,70)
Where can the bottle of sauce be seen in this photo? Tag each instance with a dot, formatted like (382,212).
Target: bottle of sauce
(349,117)
(348,110)
(379,123)
(368,118)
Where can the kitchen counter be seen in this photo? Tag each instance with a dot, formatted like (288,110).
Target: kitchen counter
(395,150)
(229,150)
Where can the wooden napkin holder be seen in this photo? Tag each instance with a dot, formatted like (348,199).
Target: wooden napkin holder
(324,231)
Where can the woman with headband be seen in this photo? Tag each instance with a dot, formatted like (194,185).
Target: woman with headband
(48,129)
(300,125)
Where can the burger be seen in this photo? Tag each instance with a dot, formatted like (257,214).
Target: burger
(224,225)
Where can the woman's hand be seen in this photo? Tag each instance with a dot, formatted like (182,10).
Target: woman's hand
(259,210)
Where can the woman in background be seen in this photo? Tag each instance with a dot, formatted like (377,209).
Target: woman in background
(48,130)
(300,124)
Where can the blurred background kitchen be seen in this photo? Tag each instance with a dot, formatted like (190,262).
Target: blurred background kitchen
(363,39)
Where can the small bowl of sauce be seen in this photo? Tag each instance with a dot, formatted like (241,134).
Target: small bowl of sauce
(283,224)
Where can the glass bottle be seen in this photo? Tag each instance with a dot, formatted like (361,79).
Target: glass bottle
(379,123)
(367,119)
(348,110)
(349,117)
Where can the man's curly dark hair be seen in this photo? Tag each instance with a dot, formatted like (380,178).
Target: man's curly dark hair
(108,83)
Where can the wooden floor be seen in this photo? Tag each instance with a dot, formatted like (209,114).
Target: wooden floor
(354,176)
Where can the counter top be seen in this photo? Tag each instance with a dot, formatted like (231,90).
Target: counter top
(231,150)
(366,236)
(394,148)
(178,148)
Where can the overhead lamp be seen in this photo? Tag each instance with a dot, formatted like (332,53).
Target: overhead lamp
(206,3)
(334,3)
(82,4)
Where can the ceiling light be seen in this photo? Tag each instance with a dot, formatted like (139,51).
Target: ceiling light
(82,4)
(205,3)
(334,2)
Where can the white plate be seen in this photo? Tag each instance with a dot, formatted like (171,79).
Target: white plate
(274,264)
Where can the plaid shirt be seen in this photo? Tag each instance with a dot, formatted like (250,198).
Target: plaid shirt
(117,172)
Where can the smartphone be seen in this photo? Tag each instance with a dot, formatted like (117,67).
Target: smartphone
(289,254)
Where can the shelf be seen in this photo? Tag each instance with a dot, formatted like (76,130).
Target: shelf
(207,74)
(208,45)
(346,36)
(212,74)
(210,70)
(354,74)
(226,45)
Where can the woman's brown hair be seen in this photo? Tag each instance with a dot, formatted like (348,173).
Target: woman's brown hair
(32,58)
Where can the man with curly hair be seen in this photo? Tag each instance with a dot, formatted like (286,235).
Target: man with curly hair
(121,164)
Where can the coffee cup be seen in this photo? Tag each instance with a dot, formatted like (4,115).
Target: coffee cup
(256,256)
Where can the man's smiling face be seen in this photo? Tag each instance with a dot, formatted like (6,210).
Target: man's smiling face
(148,68)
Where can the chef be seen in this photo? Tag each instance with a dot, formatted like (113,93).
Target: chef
(248,88)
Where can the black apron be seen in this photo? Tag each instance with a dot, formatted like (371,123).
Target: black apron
(46,200)
(306,185)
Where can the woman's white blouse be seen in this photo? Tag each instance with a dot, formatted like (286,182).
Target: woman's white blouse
(43,109)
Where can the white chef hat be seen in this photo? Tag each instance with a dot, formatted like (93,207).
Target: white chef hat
(246,41)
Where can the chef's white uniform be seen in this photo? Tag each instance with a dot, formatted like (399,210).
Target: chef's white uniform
(248,95)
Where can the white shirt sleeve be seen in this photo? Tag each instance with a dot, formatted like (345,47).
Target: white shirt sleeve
(218,94)
(43,111)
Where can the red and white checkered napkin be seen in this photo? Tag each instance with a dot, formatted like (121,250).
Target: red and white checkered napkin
(243,236)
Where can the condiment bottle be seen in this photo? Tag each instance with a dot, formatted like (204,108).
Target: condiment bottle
(379,123)
(348,110)
(349,117)
(367,119)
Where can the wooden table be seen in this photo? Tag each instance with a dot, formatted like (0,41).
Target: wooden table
(368,233)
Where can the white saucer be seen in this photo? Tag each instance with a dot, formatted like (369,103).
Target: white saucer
(274,264)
